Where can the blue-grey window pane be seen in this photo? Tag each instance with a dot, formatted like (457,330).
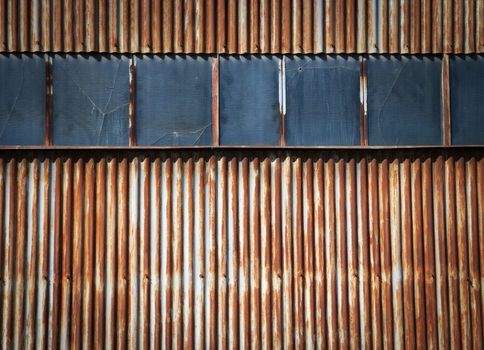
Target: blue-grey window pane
(91,98)
(467,99)
(22,99)
(173,100)
(249,100)
(404,105)
(322,101)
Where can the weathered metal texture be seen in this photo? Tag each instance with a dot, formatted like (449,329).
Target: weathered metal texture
(245,26)
(242,248)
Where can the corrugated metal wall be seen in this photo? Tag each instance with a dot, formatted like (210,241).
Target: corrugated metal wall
(242,248)
(245,26)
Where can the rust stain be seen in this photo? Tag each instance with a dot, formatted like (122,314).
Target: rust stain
(283,248)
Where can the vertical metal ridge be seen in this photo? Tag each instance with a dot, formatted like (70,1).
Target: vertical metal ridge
(320,249)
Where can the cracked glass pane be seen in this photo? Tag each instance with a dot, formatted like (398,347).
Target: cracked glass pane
(22,100)
(174,100)
(404,105)
(91,99)
(249,100)
(467,105)
(322,100)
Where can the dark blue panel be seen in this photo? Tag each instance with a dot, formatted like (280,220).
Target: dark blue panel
(467,99)
(249,100)
(404,105)
(22,100)
(322,101)
(91,98)
(173,101)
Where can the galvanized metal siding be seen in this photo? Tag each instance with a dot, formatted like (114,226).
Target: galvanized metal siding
(245,26)
(233,249)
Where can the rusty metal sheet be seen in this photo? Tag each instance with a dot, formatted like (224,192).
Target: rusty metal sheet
(241,247)
(263,26)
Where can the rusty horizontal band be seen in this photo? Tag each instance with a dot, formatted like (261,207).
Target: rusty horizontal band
(328,248)
(245,26)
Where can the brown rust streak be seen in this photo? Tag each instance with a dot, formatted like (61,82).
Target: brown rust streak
(385,254)
(452,256)
(146,28)
(122,255)
(49,100)
(99,251)
(265,249)
(299,338)
(286,29)
(254,255)
(341,257)
(221,13)
(168,320)
(212,253)
(188,297)
(429,254)
(418,254)
(8,257)
(320,266)
(88,253)
(440,251)
(200,257)
(374,242)
(233,317)
(473,247)
(210,26)
(54,312)
(330,252)
(363,243)
(77,254)
(155,242)
(145,243)
(156,25)
(215,101)
(244,258)
(222,274)
(352,237)
(480,216)
(19,256)
(407,256)
(132,102)
(462,253)
(33,260)
(396,252)
(177,246)
(66,253)
(287,258)
(110,296)
(446,127)
(338,21)
(276,257)
(275,45)
(308,245)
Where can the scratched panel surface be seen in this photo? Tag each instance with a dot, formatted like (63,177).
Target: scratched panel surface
(322,101)
(91,98)
(242,248)
(404,100)
(174,100)
(249,107)
(467,99)
(22,99)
